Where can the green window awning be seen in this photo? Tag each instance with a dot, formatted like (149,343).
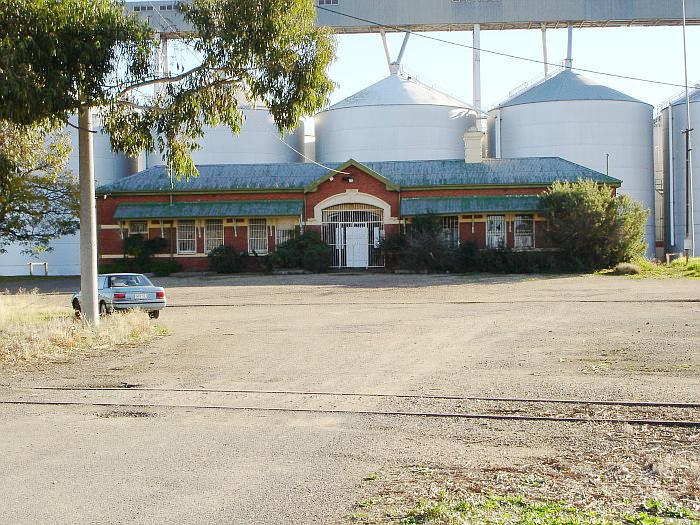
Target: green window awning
(472,204)
(181,210)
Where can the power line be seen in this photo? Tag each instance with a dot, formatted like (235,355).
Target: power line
(498,53)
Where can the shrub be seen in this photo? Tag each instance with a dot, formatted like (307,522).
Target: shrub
(118,266)
(141,249)
(592,228)
(226,259)
(424,248)
(307,251)
(164,267)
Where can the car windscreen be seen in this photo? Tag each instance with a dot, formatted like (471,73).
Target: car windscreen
(120,281)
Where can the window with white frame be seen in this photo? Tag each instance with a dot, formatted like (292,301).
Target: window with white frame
(524,232)
(213,234)
(186,237)
(328,2)
(283,235)
(450,231)
(138,228)
(257,236)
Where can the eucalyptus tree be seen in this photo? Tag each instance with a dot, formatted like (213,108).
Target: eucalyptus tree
(38,193)
(59,57)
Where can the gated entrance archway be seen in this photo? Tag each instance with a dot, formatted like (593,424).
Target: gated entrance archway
(354,231)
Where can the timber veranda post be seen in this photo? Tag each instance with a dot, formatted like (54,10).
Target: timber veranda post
(88,219)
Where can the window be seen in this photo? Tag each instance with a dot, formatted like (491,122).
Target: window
(524,232)
(138,228)
(284,235)
(450,231)
(495,231)
(186,241)
(213,234)
(121,281)
(257,236)
(328,2)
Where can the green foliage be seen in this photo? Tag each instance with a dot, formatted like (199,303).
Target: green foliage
(141,249)
(57,56)
(307,251)
(591,227)
(226,259)
(423,248)
(117,266)
(164,267)
(38,194)
(515,510)
(267,52)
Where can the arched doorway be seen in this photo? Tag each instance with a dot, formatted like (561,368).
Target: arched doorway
(354,231)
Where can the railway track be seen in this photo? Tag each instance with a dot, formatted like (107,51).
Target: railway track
(571,411)
(466,303)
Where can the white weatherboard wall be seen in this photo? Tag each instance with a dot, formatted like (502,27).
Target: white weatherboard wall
(398,118)
(64,258)
(674,190)
(584,131)
(258,143)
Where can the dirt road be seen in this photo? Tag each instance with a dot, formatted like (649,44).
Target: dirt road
(582,337)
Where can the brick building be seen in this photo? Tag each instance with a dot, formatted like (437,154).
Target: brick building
(254,207)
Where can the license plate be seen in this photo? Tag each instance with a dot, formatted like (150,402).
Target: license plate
(140,296)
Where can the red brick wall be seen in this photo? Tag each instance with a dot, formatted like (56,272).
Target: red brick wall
(362,182)
(478,237)
(470,192)
(240,240)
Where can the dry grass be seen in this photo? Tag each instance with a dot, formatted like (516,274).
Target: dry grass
(37,328)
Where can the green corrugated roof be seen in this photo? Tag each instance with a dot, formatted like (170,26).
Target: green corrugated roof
(477,204)
(538,171)
(179,210)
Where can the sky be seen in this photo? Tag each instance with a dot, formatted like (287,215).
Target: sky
(652,52)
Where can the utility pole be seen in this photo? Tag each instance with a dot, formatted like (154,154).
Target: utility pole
(689,244)
(88,219)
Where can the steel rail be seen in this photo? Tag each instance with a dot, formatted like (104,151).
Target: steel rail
(595,402)
(443,415)
(408,303)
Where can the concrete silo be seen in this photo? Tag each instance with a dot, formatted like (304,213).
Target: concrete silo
(673,119)
(398,118)
(64,256)
(570,116)
(258,143)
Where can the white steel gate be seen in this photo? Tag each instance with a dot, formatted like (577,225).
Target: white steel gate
(495,231)
(354,231)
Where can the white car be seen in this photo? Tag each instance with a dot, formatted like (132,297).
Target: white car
(125,291)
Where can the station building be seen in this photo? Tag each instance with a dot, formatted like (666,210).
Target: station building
(255,207)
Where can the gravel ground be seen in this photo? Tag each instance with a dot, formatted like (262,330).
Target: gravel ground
(566,337)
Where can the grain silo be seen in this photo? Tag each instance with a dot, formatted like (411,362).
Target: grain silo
(573,117)
(398,118)
(259,142)
(673,119)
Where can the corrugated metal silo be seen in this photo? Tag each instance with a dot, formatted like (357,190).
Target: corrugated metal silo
(672,147)
(575,118)
(258,143)
(398,118)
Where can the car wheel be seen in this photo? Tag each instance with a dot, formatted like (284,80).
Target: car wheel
(103,309)
(155,314)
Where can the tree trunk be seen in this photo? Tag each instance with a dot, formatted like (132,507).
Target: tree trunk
(88,220)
